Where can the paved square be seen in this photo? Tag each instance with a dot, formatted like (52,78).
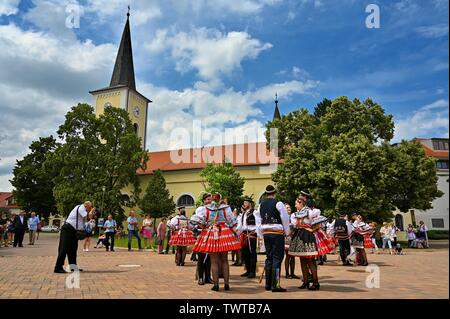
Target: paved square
(28,273)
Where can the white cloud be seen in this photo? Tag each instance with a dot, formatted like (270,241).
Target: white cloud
(433,31)
(9,7)
(209,51)
(429,120)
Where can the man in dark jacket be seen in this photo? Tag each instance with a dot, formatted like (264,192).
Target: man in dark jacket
(20,227)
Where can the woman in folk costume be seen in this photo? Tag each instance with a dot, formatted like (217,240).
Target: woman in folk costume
(360,239)
(182,236)
(309,240)
(217,237)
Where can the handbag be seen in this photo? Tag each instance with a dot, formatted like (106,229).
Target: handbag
(80,234)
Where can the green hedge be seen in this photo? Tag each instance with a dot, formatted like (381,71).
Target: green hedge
(438,234)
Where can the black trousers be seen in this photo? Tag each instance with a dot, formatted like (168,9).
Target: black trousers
(18,237)
(68,246)
(274,245)
(109,240)
(249,255)
(344,249)
(204,267)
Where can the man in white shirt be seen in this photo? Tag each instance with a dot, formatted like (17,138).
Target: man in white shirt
(68,241)
(246,228)
(272,221)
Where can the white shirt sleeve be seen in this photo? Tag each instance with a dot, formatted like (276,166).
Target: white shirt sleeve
(258,222)
(231,221)
(349,228)
(239,224)
(173,221)
(82,211)
(284,217)
(293,219)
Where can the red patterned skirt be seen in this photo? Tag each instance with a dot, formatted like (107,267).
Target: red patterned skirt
(324,243)
(217,239)
(368,242)
(182,237)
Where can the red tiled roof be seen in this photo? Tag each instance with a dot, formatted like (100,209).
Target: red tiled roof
(251,154)
(4,196)
(430,152)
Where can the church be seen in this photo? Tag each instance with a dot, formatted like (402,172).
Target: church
(252,160)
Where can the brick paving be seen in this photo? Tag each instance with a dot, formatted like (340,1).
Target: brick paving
(27,273)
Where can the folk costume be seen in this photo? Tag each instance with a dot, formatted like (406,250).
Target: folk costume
(341,229)
(272,221)
(361,239)
(182,236)
(217,238)
(246,228)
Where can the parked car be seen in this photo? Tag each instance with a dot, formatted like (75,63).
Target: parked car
(50,229)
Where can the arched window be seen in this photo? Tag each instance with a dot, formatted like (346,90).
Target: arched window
(186,200)
(136,128)
(399,221)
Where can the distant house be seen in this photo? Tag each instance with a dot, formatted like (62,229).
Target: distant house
(436,218)
(8,203)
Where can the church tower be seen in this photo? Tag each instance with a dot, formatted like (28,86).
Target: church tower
(122,92)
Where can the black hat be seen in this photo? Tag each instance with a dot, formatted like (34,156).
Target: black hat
(270,190)
(205,195)
(305,193)
(181,207)
(247,199)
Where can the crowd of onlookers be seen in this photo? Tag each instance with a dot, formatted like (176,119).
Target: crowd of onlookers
(14,227)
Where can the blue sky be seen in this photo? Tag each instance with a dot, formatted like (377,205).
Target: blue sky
(221,62)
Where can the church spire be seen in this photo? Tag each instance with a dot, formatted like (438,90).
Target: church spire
(123,73)
(276,114)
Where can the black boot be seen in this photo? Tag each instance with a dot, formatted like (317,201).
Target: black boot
(268,275)
(276,280)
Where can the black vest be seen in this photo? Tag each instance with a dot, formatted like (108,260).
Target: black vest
(269,212)
(340,229)
(250,218)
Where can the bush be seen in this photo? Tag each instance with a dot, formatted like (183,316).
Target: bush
(438,234)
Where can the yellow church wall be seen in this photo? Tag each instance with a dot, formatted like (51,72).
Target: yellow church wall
(133,101)
(111,97)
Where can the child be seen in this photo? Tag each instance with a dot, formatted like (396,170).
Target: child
(398,249)
(101,240)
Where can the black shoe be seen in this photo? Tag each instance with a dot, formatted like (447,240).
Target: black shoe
(320,263)
(60,271)
(227,287)
(314,287)
(279,289)
(287,276)
(209,281)
(245,274)
(201,282)
(304,286)
(251,275)
(295,277)
(182,264)
(347,264)
(215,287)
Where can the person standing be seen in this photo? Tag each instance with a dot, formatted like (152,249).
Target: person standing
(133,230)
(394,230)
(272,221)
(385,233)
(90,227)
(423,233)
(110,226)
(342,229)
(361,239)
(147,231)
(10,228)
(161,234)
(236,255)
(169,235)
(4,230)
(246,229)
(373,237)
(289,262)
(33,223)
(182,236)
(411,236)
(68,240)
(20,227)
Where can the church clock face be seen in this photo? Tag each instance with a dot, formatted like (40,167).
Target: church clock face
(136,111)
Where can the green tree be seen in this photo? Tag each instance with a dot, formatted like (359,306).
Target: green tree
(97,153)
(224,179)
(341,153)
(156,200)
(33,185)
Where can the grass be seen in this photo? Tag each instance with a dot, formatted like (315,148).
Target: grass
(123,242)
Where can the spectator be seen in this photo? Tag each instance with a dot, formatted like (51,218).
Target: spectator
(410,233)
(4,230)
(90,227)
(147,231)
(33,222)
(20,227)
(110,230)
(169,234)
(39,227)
(386,235)
(10,228)
(423,232)
(101,241)
(394,234)
(133,230)
(161,234)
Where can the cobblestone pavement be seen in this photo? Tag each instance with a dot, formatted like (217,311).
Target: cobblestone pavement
(28,273)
